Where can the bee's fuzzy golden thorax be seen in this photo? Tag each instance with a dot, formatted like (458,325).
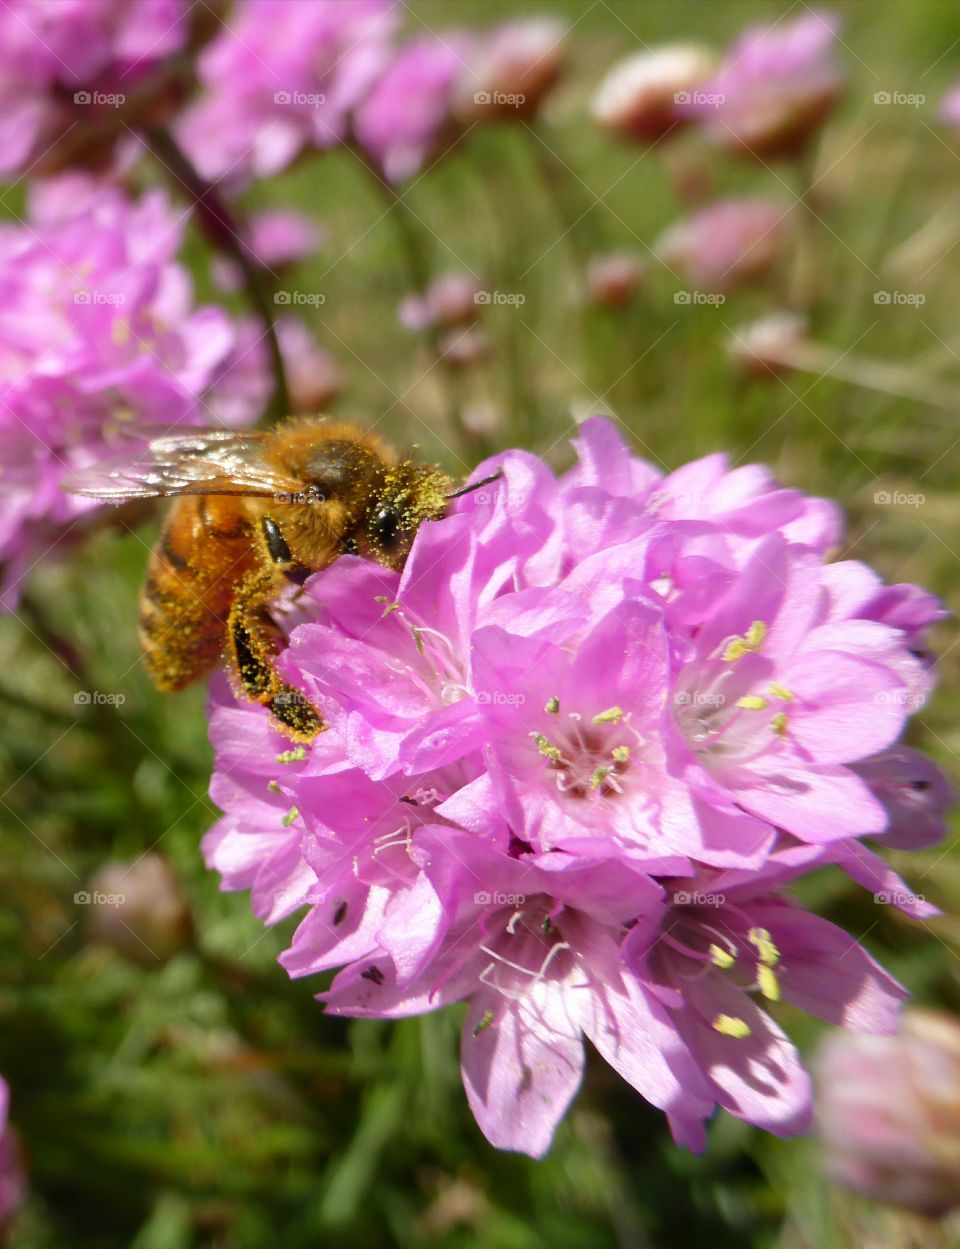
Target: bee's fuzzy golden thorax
(348,493)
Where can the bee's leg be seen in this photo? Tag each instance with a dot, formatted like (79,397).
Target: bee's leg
(252,643)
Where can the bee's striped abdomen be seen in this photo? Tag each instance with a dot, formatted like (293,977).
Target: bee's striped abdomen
(203,551)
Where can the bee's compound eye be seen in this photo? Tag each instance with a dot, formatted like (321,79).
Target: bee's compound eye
(386,528)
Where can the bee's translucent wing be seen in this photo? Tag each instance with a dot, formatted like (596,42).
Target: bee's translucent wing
(191,462)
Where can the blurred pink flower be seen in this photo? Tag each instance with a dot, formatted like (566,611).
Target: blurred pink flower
(614,278)
(729,244)
(950,107)
(640,97)
(774,90)
(888,1111)
(67,66)
(275,239)
(449,300)
(99,335)
(13,1170)
(405,119)
(510,69)
(574,752)
(282,75)
(149,918)
(245,381)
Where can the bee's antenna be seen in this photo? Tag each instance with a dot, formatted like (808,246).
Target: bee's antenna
(475,485)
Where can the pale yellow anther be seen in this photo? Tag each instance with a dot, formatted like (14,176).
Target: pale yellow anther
(752,702)
(761,939)
(730,1025)
(599,777)
(612,715)
(755,635)
(752,640)
(552,706)
(779,723)
(547,748)
(780,691)
(768,984)
(621,754)
(721,957)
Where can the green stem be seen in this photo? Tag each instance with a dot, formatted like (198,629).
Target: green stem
(418,273)
(224,230)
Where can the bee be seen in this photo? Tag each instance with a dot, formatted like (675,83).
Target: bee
(253,513)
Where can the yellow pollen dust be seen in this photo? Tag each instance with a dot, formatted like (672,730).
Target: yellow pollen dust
(547,749)
(552,706)
(730,1025)
(621,754)
(612,715)
(296,755)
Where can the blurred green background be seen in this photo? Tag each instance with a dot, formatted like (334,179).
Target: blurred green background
(205,1101)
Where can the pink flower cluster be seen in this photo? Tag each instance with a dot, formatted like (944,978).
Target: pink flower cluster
(99,337)
(576,751)
(769,95)
(284,77)
(68,66)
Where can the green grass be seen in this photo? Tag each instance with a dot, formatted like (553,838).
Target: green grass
(208,1102)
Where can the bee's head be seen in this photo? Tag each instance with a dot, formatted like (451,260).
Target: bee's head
(406,495)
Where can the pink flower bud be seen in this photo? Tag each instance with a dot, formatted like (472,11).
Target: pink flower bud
(450,299)
(640,97)
(730,244)
(775,88)
(139,909)
(613,278)
(763,347)
(510,71)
